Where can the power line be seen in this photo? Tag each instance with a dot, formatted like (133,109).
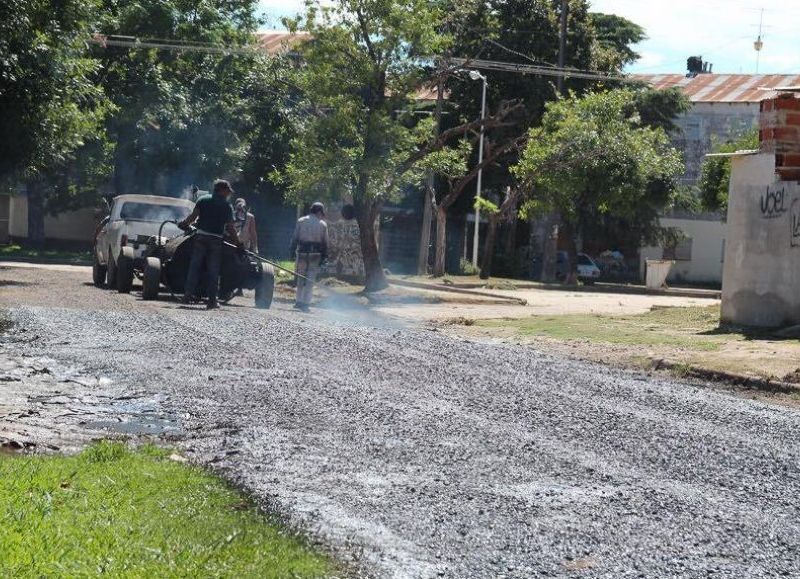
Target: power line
(537,70)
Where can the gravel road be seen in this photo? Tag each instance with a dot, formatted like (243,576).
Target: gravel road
(420,455)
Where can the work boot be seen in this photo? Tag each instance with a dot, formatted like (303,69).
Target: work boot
(212,306)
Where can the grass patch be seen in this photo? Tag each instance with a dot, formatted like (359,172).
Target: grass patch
(20,252)
(135,513)
(681,327)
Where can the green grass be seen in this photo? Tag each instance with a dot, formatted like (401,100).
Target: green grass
(17,251)
(135,513)
(691,327)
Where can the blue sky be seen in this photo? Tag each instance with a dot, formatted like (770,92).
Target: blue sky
(722,31)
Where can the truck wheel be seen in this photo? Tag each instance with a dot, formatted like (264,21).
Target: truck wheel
(111,271)
(98,272)
(265,288)
(125,270)
(151,281)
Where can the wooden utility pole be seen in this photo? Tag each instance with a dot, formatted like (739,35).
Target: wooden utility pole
(562,43)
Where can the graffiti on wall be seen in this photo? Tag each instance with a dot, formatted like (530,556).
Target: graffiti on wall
(794,223)
(773,202)
(344,252)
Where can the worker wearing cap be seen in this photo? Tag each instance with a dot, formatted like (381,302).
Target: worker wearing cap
(214,217)
(310,246)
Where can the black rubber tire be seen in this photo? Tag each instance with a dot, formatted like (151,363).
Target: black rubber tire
(111,272)
(265,288)
(98,272)
(151,280)
(125,270)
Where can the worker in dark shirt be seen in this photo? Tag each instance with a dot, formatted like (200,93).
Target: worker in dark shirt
(214,217)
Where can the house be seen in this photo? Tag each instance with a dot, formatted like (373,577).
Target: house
(724,107)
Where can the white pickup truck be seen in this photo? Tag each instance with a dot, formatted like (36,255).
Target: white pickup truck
(123,235)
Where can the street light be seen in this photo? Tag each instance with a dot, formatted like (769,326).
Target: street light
(475,75)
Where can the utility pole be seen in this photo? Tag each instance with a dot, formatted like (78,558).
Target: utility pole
(430,192)
(562,43)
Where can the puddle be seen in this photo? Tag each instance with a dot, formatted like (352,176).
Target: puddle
(134,425)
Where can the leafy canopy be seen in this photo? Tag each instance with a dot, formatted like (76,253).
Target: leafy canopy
(359,78)
(715,173)
(593,154)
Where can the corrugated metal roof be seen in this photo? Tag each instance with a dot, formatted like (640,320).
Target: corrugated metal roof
(280,41)
(722,88)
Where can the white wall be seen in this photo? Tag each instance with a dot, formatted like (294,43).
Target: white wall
(761,285)
(706,263)
(68,226)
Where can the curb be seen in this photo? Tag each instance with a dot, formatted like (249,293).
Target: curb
(595,288)
(765,384)
(457,290)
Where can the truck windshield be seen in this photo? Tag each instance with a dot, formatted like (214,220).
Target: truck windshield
(134,211)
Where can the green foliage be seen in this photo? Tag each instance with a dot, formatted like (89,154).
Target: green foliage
(53,107)
(715,173)
(592,156)
(183,117)
(123,513)
(359,78)
(615,36)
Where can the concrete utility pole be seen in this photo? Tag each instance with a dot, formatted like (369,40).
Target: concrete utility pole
(430,192)
(475,75)
(562,43)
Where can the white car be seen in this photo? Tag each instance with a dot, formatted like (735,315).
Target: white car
(588,272)
(122,237)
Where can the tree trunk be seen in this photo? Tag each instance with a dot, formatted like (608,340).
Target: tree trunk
(568,230)
(488,246)
(441,241)
(425,234)
(550,247)
(35,213)
(366,214)
(510,241)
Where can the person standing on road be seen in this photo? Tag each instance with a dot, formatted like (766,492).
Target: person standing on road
(310,246)
(245,225)
(214,218)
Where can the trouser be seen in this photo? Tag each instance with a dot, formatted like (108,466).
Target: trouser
(307,265)
(207,251)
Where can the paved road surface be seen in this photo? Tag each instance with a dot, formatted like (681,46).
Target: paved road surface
(425,456)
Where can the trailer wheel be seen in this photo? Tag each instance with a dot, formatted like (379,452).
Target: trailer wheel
(98,272)
(151,281)
(265,288)
(111,271)
(125,270)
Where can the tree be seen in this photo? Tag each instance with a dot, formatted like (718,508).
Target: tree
(527,32)
(360,138)
(53,108)
(715,173)
(183,117)
(591,157)
(615,37)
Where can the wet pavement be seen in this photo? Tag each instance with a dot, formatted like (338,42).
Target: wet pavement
(414,454)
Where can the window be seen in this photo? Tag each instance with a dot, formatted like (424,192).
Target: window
(680,252)
(134,211)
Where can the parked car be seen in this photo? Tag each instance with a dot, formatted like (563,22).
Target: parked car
(588,272)
(122,238)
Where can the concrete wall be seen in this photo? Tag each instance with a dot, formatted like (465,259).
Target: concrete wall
(761,282)
(705,122)
(74,226)
(707,235)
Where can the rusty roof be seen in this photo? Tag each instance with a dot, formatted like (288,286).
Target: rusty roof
(280,41)
(722,88)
